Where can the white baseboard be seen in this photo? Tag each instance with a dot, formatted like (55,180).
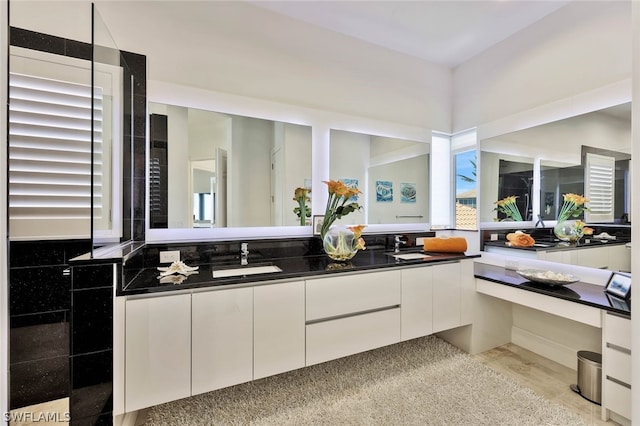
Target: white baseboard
(555,351)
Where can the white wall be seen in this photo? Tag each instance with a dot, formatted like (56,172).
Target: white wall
(297,158)
(349,159)
(249,196)
(583,46)
(411,170)
(235,47)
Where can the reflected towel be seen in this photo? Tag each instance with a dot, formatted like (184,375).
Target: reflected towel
(445,244)
(520,239)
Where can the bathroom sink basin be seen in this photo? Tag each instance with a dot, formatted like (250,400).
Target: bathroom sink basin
(245,270)
(410,256)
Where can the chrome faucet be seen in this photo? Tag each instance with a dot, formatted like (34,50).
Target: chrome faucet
(244,253)
(396,243)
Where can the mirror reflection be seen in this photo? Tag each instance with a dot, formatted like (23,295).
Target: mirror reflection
(211,169)
(393,175)
(587,154)
(505,176)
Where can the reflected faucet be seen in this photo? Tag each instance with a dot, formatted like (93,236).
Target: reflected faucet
(244,254)
(396,243)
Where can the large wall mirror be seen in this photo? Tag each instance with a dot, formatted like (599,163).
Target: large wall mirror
(215,170)
(393,175)
(564,149)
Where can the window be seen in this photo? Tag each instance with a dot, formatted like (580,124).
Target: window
(49,151)
(50,147)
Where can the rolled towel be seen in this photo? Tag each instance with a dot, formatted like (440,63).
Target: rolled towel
(520,239)
(445,244)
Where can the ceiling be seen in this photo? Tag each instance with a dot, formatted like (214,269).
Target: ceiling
(446,32)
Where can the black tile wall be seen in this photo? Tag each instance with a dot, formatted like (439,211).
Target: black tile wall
(92,382)
(38,381)
(39,310)
(92,320)
(91,342)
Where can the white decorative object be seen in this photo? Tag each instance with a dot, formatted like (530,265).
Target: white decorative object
(177,268)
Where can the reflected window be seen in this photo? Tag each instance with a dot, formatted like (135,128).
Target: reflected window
(466,184)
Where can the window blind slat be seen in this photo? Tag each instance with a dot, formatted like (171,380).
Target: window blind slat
(50,149)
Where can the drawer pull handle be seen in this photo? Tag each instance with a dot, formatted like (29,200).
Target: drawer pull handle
(619,382)
(619,348)
(351,314)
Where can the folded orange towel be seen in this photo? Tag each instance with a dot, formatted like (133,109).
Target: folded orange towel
(520,239)
(445,244)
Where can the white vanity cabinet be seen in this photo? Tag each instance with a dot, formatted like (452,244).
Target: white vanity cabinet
(615,257)
(278,328)
(157,350)
(417,302)
(351,313)
(222,339)
(447,297)
(196,341)
(616,366)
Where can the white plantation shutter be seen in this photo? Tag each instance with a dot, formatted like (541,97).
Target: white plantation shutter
(50,155)
(599,182)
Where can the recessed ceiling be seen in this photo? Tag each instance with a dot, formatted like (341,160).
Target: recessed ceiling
(440,31)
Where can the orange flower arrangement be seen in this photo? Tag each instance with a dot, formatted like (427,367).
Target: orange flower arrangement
(337,203)
(573,206)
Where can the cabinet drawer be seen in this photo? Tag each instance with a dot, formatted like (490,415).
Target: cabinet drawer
(336,296)
(333,339)
(618,330)
(617,398)
(618,365)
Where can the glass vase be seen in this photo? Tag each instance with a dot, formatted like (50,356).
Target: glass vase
(568,231)
(339,243)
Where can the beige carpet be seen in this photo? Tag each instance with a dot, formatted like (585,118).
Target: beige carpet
(421,382)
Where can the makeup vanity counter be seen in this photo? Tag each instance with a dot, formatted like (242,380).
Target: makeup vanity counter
(584,302)
(579,292)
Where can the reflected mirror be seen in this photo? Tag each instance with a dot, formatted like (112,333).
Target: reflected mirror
(393,175)
(211,169)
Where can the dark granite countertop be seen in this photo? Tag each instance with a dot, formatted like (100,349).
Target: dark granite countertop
(556,245)
(579,292)
(147,281)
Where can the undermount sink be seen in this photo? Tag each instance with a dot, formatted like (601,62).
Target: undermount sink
(409,256)
(245,270)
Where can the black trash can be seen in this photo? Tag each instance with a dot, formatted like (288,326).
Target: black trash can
(589,376)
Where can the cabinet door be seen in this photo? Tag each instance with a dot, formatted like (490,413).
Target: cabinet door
(446,297)
(157,350)
(351,293)
(279,328)
(597,257)
(619,258)
(417,303)
(332,339)
(222,334)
